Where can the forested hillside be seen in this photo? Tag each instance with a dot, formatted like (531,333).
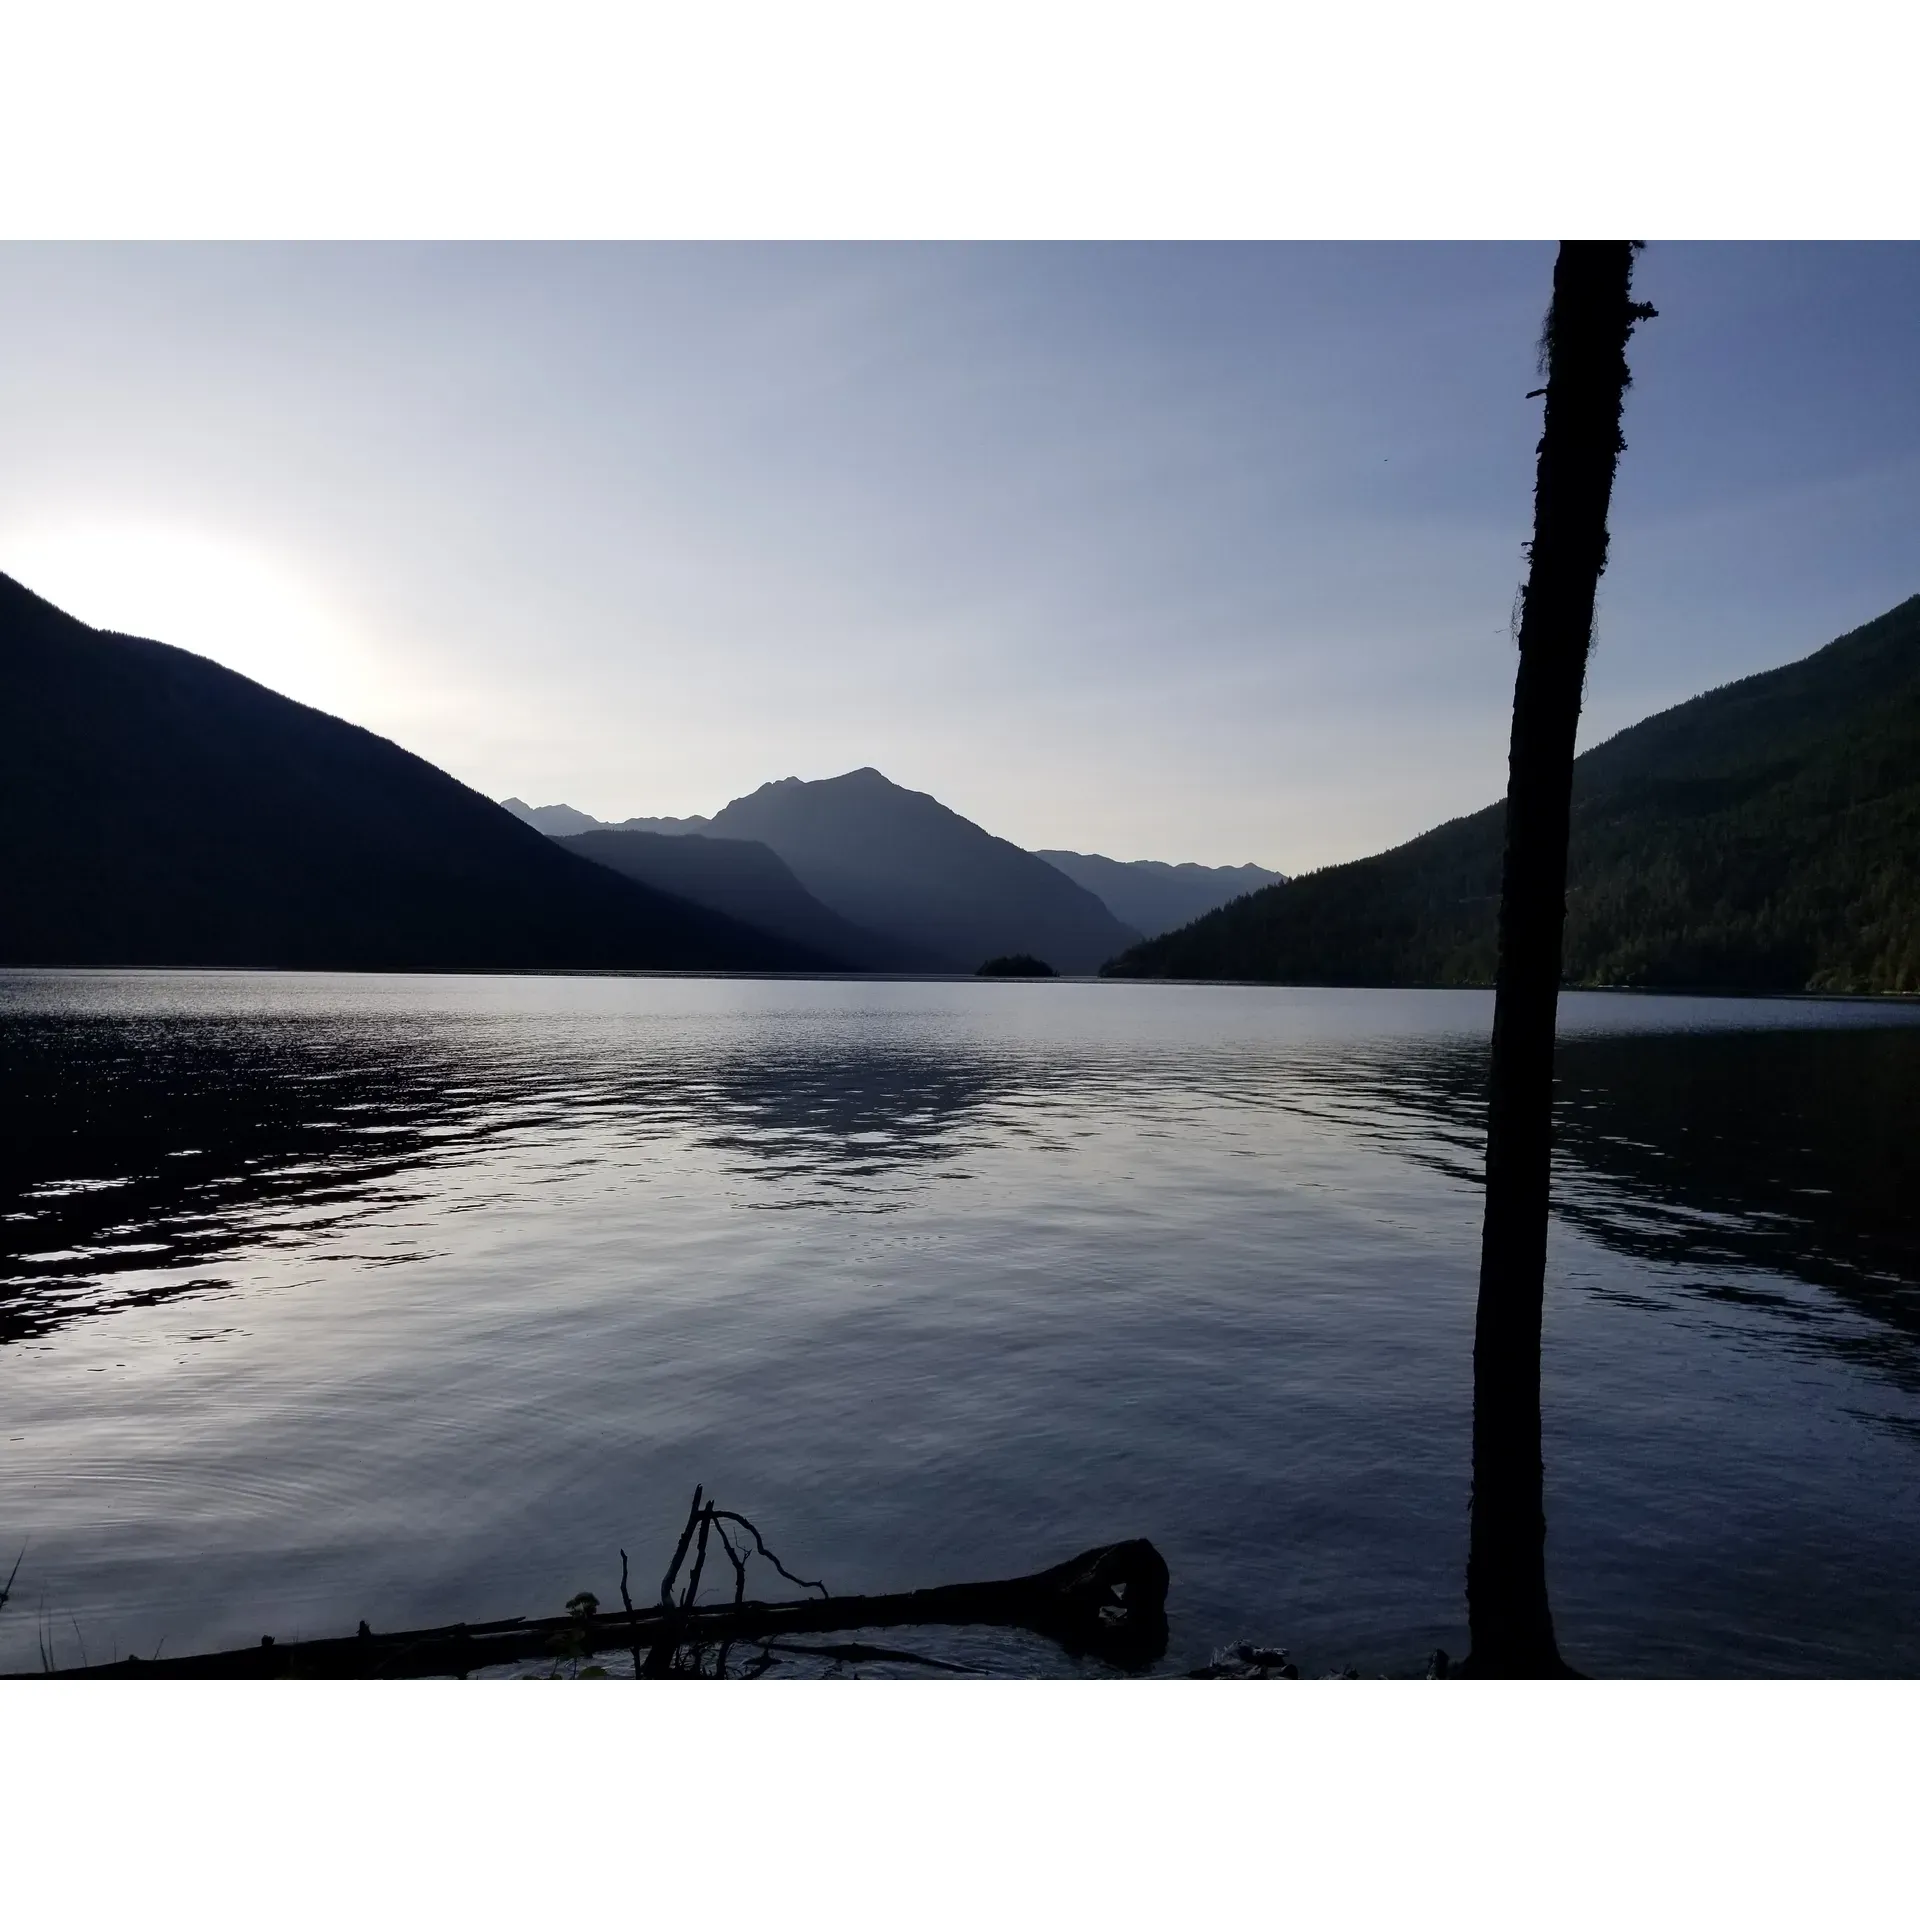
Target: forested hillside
(1765,836)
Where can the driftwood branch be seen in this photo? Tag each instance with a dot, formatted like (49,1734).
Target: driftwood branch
(1108,1604)
(676,1652)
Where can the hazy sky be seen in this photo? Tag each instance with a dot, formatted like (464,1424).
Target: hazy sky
(1172,551)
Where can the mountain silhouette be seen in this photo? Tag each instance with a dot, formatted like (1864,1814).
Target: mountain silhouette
(162,810)
(936,883)
(900,863)
(748,882)
(1764,837)
(555,822)
(1153,895)
(562,822)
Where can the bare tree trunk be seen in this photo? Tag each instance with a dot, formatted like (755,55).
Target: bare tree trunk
(1586,364)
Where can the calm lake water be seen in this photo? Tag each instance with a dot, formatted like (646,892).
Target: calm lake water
(413,1299)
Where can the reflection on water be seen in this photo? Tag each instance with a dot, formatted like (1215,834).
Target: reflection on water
(139,1152)
(312,1286)
(1731,1158)
(1725,1160)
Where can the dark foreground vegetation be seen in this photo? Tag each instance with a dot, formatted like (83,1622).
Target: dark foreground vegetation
(1761,838)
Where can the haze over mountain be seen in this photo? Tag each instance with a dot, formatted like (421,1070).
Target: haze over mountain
(747,881)
(162,810)
(561,821)
(1765,837)
(553,821)
(926,886)
(1148,896)
(900,863)
(1153,895)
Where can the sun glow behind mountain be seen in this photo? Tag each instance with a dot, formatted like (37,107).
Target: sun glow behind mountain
(1199,554)
(246,606)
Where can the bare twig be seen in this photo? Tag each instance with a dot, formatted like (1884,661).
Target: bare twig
(692,1593)
(660,1661)
(704,1522)
(739,1560)
(626,1600)
(680,1552)
(767,1553)
(739,1566)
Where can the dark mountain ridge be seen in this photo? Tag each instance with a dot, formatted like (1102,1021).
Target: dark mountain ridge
(163,811)
(1763,837)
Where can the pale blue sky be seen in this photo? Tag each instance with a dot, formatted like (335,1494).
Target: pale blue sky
(1170,551)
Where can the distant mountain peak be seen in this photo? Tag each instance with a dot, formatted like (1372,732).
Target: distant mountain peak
(553,821)
(561,822)
(857,776)
(887,857)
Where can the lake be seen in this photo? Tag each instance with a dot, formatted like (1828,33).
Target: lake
(329,1297)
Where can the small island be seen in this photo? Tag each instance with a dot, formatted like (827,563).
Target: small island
(1016,966)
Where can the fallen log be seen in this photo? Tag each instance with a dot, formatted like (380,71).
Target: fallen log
(1108,1604)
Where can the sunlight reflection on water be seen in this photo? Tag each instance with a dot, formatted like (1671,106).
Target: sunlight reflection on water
(325,1297)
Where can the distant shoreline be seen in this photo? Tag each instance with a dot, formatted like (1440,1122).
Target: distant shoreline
(907,979)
